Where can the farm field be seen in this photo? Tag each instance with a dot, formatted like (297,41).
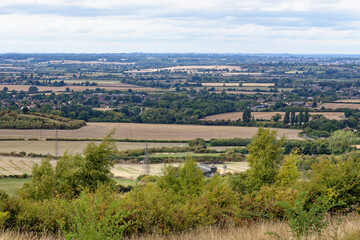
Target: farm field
(267,115)
(45,147)
(109,86)
(189,69)
(10,185)
(348,101)
(338,105)
(146,131)
(210,84)
(132,171)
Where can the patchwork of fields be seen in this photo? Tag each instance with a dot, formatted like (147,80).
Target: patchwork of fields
(146,131)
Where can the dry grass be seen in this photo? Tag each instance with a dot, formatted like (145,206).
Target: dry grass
(349,228)
(7,235)
(147,131)
(338,105)
(267,115)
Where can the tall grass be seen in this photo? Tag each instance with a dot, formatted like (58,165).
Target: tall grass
(340,228)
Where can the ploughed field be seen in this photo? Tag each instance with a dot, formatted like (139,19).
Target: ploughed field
(267,115)
(146,131)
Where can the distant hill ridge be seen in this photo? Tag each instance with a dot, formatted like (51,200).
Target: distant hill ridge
(15,120)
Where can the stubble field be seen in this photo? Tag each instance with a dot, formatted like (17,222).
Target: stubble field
(146,131)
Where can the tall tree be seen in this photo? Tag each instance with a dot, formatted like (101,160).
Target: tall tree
(293,117)
(247,115)
(264,157)
(287,117)
(306,116)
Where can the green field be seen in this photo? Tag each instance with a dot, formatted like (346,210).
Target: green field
(10,185)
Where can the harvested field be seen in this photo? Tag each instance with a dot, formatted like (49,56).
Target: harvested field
(118,86)
(146,131)
(20,165)
(242,73)
(348,101)
(338,105)
(132,171)
(233,116)
(246,92)
(258,84)
(45,147)
(220,84)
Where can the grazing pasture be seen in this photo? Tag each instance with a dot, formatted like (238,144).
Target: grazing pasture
(146,131)
(233,116)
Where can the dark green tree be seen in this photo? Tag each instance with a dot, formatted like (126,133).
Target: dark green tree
(287,117)
(247,115)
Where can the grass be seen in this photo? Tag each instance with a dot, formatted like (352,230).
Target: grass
(126,182)
(10,185)
(347,229)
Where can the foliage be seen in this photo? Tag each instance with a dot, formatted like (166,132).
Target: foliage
(92,217)
(306,220)
(288,172)
(341,141)
(72,174)
(264,157)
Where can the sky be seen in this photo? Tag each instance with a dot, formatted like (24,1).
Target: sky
(182,26)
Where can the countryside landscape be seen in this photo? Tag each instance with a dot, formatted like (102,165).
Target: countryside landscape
(179,120)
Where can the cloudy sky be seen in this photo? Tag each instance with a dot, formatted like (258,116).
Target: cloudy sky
(223,26)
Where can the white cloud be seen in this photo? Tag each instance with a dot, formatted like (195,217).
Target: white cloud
(308,26)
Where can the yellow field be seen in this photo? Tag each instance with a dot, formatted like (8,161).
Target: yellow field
(45,147)
(348,101)
(258,84)
(338,105)
(233,116)
(220,84)
(146,131)
(20,165)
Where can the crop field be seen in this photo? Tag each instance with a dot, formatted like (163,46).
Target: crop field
(10,185)
(107,86)
(338,105)
(45,147)
(258,84)
(267,115)
(132,171)
(146,131)
(220,84)
(239,84)
(17,165)
(348,101)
